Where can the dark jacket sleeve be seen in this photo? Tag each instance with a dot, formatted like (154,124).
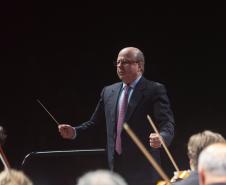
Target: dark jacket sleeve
(163,114)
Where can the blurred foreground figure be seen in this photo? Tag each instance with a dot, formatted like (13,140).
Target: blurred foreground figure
(212,165)
(14,177)
(196,144)
(101,177)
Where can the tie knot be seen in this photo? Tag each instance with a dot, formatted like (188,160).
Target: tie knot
(126,87)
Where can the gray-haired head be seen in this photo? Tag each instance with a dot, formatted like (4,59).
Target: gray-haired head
(101,177)
(14,177)
(198,142)
(212,160)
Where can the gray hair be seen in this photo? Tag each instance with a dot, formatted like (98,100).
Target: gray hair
(101,177)
(14,177)
(212,160)
(199,141)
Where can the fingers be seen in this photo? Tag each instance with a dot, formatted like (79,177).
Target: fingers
(61,126)
(67,131)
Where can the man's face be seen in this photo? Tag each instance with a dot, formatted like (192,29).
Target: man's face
(128,69)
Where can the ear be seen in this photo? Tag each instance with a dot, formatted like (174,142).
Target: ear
(190,162)
(139,65)
(202,179)
(191,165)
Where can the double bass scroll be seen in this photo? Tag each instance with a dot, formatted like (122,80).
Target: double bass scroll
(2,154)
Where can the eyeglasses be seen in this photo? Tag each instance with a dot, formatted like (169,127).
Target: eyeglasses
(124,62)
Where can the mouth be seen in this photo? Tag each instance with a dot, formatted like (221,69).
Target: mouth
(121,73)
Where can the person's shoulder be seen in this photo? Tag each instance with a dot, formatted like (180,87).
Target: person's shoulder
(153,87)
(113,86)
(151,83)
(192,179)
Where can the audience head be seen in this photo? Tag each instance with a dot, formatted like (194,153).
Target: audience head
(14,177)
(198,142)
(101,177)
(212,164)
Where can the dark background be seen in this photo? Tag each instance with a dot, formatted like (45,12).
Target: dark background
(61,53)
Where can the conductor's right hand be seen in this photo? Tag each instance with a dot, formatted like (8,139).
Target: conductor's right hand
(67,131)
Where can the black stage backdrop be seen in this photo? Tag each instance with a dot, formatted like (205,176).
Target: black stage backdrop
(61,53)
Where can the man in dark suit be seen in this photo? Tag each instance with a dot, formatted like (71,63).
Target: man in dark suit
(131,101)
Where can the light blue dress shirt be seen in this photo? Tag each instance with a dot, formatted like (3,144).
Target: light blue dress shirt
(131,89)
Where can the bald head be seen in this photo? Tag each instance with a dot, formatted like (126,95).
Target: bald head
(134,54)
(212,164)
(101,177)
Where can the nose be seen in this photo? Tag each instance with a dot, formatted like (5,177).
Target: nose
(119,64)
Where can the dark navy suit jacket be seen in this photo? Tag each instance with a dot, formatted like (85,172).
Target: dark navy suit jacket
(148,98)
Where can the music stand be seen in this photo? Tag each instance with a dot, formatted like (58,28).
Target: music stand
(62,167)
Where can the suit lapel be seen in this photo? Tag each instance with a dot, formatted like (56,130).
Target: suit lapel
(135,98)
(114,101)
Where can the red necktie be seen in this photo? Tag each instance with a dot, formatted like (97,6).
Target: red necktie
(121,116)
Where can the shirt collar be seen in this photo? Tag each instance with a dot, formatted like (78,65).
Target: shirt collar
(133,83)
